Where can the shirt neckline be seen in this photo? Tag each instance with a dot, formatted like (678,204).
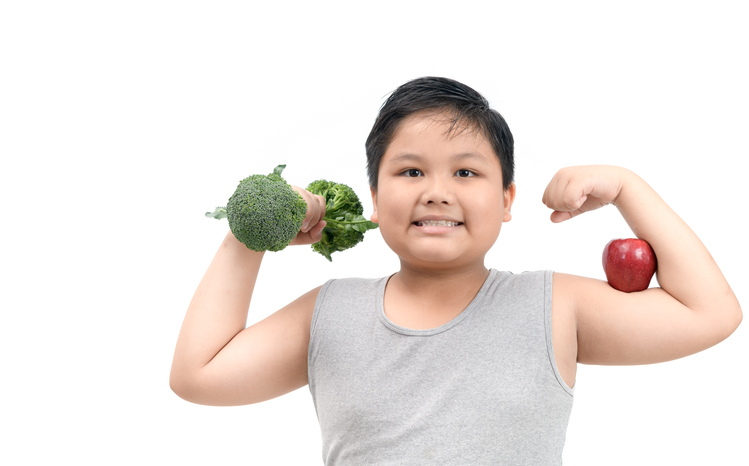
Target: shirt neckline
(436,330)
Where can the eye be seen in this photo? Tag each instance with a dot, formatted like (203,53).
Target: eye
(464,173)
(412,172)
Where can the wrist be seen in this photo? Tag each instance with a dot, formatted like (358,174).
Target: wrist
(630,185)
(232,244)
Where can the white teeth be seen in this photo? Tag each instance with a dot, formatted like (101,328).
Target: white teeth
(437,223)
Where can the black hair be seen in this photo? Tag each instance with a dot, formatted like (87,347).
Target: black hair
(465,107)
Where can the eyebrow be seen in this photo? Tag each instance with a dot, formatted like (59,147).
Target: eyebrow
(407,157)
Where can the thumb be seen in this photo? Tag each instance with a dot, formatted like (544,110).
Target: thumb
(314,235)
(559,217)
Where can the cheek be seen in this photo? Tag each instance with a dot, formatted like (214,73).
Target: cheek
(392,234)
(385,209)
(486,214)
(389,215)
(485,204)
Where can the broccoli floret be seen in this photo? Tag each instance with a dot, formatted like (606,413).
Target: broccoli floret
(343,214)
(264,213)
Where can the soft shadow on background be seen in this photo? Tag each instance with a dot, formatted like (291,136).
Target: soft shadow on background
(121,123)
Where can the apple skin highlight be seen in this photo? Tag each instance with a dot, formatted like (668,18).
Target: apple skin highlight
(629,264)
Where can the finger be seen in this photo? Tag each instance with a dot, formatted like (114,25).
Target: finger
(574,201)
(315,211)
(562,216)
(314,235)
(564,198)
(563,193)
(315,208)
(546,199)
(566,195)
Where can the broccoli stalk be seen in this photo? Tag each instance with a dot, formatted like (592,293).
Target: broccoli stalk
(265,214)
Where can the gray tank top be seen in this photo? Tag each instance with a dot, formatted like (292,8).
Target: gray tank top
(481,389)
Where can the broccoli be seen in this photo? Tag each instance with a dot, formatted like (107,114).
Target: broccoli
(343,214)
(265,214)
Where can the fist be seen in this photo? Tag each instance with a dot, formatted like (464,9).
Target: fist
(312,225)
(576,190)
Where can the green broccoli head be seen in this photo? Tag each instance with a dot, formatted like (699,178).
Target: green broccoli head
(343,214)
(264,213)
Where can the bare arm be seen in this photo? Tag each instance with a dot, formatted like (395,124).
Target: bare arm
(693,309)
(217,361)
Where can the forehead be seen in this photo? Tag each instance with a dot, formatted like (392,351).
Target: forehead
(451,123)
(438,131)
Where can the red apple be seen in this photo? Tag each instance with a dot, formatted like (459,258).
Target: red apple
(629,264)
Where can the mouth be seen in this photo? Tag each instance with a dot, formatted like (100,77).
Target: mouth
(437,223)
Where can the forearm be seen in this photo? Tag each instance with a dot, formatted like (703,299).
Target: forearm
(218,310)
(686,270)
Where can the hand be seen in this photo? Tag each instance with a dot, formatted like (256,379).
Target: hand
(576,190)
(313,224)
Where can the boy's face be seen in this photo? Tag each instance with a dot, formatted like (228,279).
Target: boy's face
(439,201)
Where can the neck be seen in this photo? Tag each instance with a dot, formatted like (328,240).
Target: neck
(422,299)
(441,285)
(425,276)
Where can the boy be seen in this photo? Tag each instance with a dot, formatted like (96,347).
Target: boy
(446,361)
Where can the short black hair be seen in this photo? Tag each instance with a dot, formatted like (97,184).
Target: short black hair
(463,105)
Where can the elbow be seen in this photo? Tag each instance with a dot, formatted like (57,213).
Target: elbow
(731,320)
(178,386)
(195,389)
(187,392)
(719,324)
(183,387)
(738,316)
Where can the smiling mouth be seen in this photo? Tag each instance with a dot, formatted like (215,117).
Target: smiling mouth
(437,223)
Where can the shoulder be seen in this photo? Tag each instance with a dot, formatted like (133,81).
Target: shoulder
(344,295)
(351,287)
(519,290)
(526,276)
(355,281)
(535,282)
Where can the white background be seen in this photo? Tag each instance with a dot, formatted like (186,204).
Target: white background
(121,123)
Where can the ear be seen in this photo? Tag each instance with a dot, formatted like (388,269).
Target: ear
(509,196)
(373,218)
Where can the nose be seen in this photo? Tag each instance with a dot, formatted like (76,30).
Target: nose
(437,190)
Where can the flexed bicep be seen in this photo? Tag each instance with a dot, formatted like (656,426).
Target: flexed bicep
(263,361)
(646,327)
